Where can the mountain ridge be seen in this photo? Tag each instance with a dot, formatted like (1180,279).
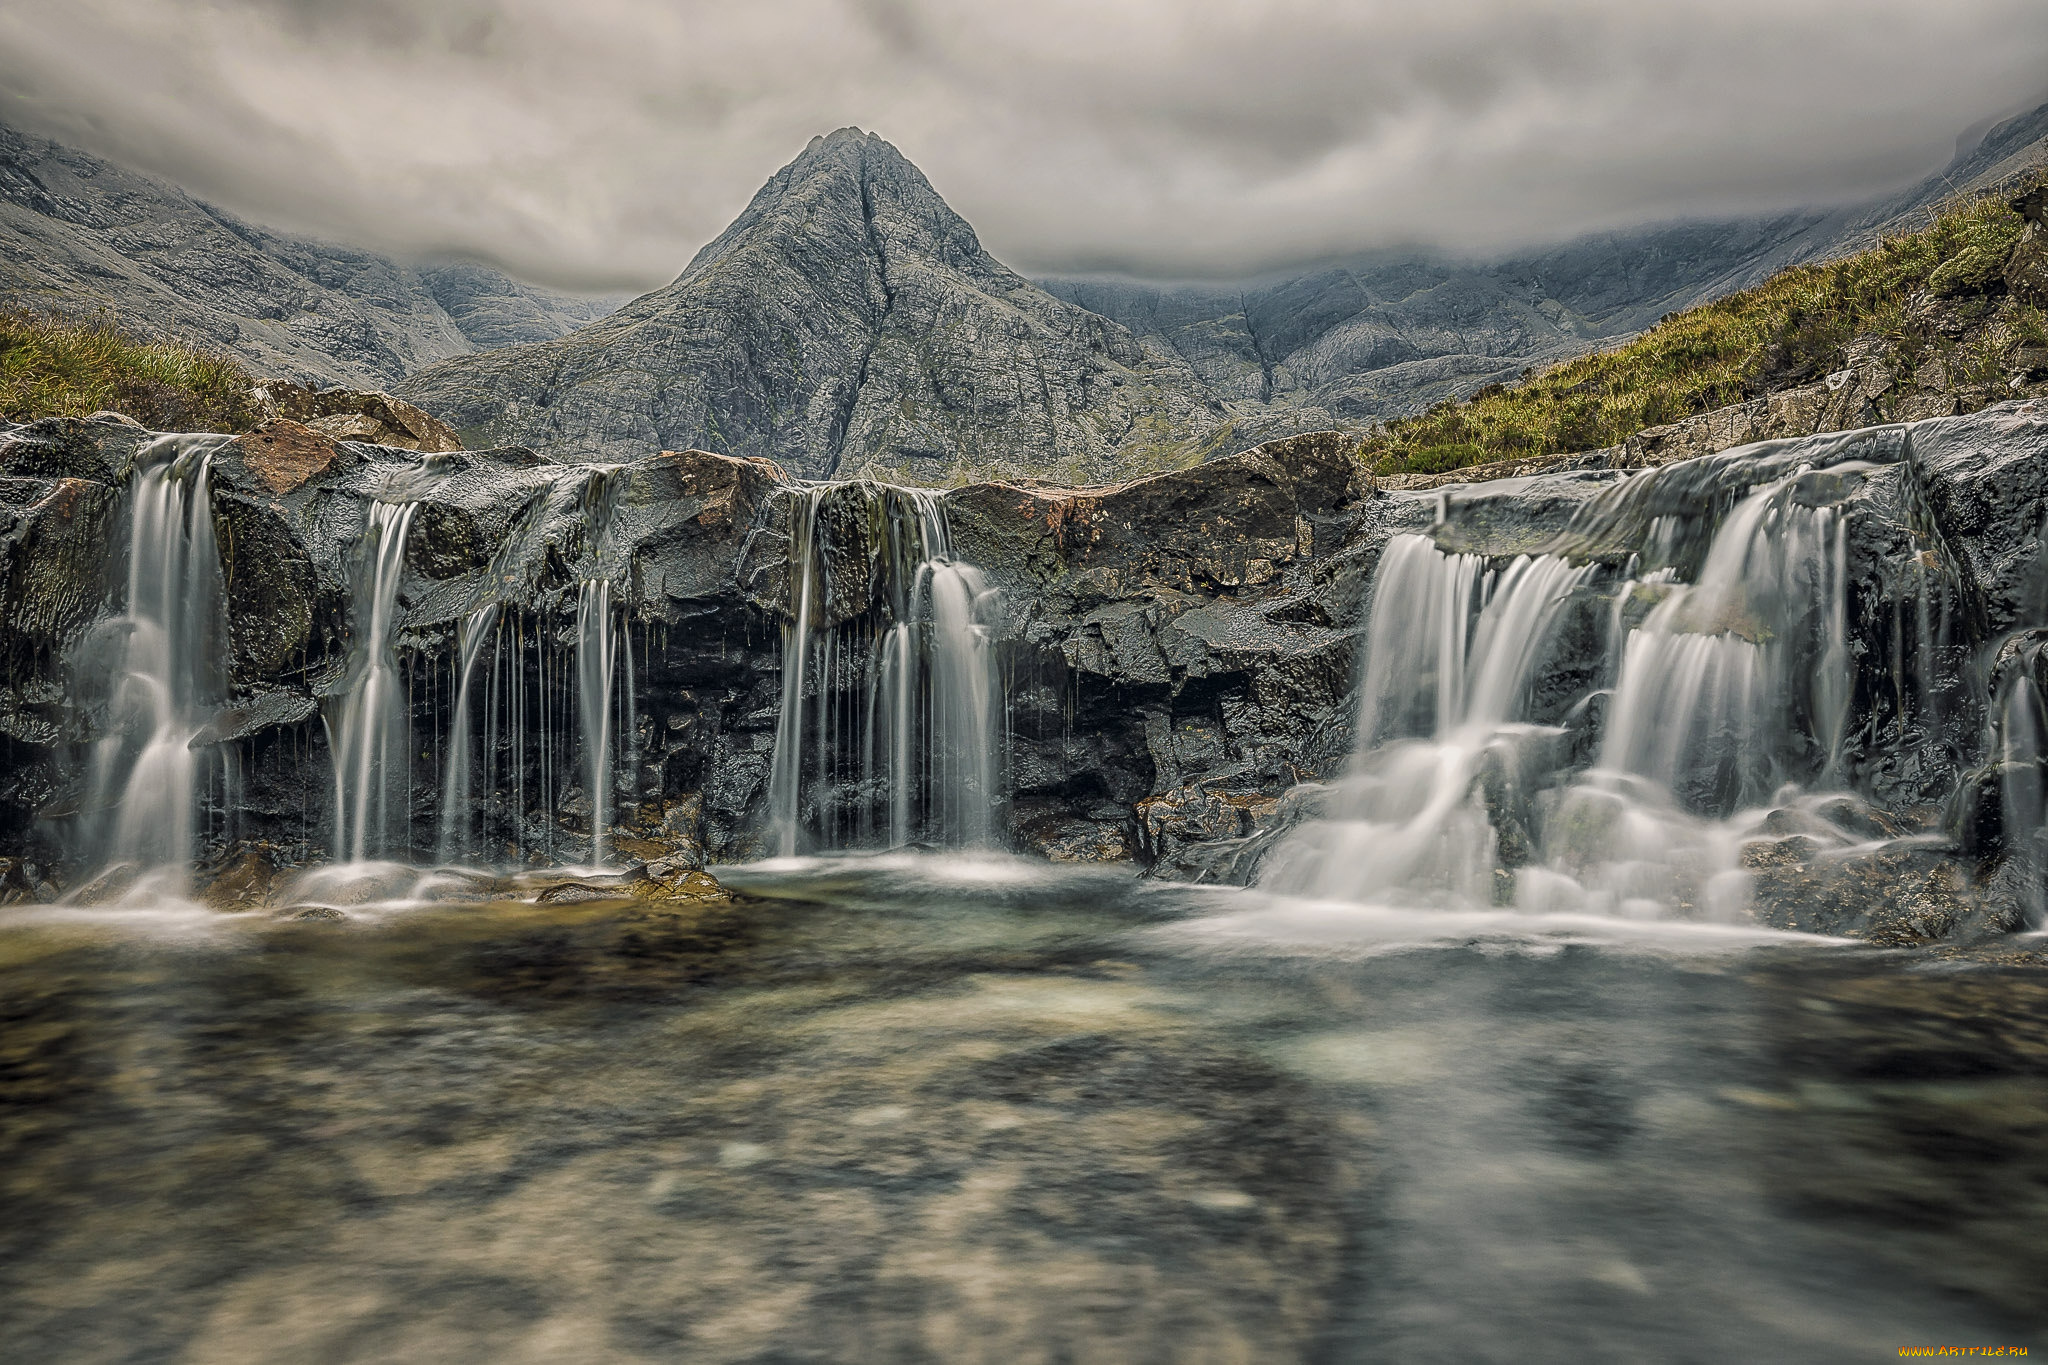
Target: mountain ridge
(848,321)
(79,234)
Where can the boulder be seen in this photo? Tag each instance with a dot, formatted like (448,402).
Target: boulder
(2026,270)
(369,416)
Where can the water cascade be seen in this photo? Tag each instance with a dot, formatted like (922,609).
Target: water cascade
(894,710)
(596,655)
(2023,747)
(1736,683)
(456,801)
(2018,771)
(1451,648)
(168,679)
(541,708)
(369,735)
(1729,693)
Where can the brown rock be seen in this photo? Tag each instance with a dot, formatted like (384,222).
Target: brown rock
(284,454)
(358,415)
(1230,523)
(243,881)
(673,879)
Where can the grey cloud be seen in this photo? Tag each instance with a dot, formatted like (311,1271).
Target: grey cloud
(599,145)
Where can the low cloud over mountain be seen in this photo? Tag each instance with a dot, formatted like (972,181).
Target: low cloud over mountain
(596,145)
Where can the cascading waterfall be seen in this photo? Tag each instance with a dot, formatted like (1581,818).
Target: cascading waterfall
(525,729)
(1450,650)
(369,736)
(456,802)
(924,728)
(596,653)
(2023,796)
(1733,691)
(1716,683)
(168,681)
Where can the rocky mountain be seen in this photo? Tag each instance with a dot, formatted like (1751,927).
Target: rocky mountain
(848,321)
(1389,333)
(78,234)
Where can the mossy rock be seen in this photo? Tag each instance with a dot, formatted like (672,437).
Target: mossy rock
(1973,270)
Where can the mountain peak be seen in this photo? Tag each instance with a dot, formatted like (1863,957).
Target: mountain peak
(849,133)
(844,180)
(847,321)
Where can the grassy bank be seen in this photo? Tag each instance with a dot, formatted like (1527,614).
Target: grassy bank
(65,367)
(1787,331)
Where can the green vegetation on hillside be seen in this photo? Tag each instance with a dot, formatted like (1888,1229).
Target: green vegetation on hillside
(1786,331)
(67,367)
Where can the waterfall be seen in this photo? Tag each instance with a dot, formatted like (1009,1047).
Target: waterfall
(1450,651)
(369,738)
(169,678)
(1737,682)
(918,736)
(1733,690)
(455,841)
(596,651)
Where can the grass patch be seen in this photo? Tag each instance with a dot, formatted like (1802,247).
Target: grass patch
(1785,332)
(67,367)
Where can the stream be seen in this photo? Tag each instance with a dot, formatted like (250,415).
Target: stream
(969,1108)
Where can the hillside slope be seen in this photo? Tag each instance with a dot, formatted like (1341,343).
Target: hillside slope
(1391,333)
(1945,319)
(79,235)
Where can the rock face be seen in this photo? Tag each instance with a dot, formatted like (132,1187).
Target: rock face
(1180,651)
(355,415)
(78,234)
(848,323)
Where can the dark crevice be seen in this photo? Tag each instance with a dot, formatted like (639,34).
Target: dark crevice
(1258,349)
(843,422)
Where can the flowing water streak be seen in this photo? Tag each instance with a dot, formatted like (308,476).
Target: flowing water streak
(456,803)
(786,769)
(169,681)
(1733,692)
(920,658)
(1740,682)
(962,689)
(2023,799)
(596,654)
(372,799)
(1451,652)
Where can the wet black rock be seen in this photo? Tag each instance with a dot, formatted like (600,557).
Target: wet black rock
(1179,651)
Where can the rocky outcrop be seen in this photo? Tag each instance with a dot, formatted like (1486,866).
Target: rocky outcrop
(1878,383)
(1180,651)
(355,415)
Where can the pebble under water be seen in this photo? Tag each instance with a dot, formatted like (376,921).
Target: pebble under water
(970,1109)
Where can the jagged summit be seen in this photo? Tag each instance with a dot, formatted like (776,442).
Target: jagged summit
(847,321)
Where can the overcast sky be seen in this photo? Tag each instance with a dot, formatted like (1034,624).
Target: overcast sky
(597,143)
